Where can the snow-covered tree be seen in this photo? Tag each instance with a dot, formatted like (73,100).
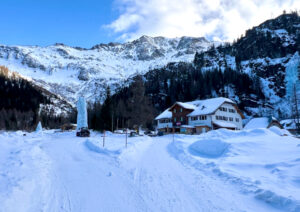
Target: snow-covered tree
(81,113)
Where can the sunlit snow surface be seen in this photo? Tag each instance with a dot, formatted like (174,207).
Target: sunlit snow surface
(254,170)
(72,72)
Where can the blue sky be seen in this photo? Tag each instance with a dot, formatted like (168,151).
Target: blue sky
(86,23)
(45,22)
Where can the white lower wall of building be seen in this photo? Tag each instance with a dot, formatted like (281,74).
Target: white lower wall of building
(164,125)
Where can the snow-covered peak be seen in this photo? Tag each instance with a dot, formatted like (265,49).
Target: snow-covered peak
(73,71)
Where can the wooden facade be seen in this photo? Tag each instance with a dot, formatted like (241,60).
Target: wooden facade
(179,115)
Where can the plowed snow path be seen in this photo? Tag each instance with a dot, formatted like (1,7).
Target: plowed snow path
(59,172)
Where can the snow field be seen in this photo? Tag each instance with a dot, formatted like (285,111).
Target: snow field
(254,170)
(259,162)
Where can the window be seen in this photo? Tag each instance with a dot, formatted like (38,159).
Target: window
(194,118)
(175,119)
(224,118)
(223,109)
(231,110)
(230,119)
(237,119)
(181,110)
(202,117)
(181,118)
(174,110)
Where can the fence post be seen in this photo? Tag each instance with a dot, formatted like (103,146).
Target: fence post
(126,139)
(173,134)
(103,138)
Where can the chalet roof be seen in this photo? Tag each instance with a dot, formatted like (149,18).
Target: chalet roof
(186,105)
(164,115)
(208,106)
(261,122)
(199,107)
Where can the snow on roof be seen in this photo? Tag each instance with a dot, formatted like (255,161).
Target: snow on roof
(289,124)
(200,107)
(164,115)
(208,106)
(262,122)
(187,105)
(225,124)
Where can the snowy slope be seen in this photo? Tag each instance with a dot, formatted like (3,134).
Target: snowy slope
(60,172)
(269,52)
(259,162)
(71,72)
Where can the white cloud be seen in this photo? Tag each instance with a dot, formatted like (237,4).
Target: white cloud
(214,19)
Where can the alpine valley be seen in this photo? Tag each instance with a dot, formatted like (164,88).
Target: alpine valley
(256,70)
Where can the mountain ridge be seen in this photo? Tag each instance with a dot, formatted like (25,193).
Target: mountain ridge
(73,71)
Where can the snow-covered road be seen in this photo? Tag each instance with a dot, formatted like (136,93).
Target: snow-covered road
(60,172)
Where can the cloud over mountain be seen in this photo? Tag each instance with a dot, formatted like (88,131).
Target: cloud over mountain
(214,19)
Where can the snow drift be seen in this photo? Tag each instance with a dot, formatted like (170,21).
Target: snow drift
(261,162)
(209,148)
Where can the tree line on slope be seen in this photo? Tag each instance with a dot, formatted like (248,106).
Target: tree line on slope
(148,95)
(20,104)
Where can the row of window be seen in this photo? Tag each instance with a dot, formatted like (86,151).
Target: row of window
(179,110)
(181,119)
(165,121)
(229,109)
(195,118)
(224,118)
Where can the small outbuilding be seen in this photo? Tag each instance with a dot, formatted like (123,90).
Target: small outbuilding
(290,125)
(263,122)
(68,127)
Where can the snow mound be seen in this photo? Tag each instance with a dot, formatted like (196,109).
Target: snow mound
(225,133)
(278,131)
(212,148)
(278,201)
(96,148)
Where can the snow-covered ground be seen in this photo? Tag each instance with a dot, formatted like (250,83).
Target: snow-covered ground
(254,170)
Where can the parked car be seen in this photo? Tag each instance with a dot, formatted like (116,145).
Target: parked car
(150,133)
(133,134)
(83,132)
(160,133)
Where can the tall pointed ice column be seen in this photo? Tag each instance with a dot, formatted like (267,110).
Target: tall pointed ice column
(81,113)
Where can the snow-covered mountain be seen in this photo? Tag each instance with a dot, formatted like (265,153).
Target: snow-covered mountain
(72,72)
(269,52)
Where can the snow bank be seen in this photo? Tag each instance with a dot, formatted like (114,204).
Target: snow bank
(98,149)
(277,201)
(264,163)
(278,131)
(209,148)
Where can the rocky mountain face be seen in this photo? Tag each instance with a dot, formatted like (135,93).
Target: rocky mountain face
(260,71)
(270,52)
(72,72)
